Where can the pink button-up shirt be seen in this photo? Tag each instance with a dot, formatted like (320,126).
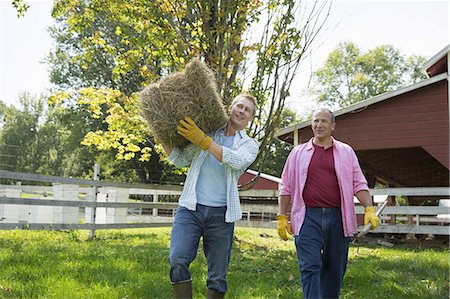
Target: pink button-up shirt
(349,175)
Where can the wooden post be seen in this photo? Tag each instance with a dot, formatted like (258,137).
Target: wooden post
(95,191)
(155,210)
(295,137)
(410,218)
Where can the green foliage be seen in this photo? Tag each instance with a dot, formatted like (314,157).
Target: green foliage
(39,139)
(19,132)
(109,50)
(125,45)
(21,7)
(133,264)
(120,46)
(114,126)
(349,76)
(126,131)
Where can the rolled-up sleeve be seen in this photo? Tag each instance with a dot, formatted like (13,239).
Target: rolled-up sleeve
(240,158)
(286,176)
(359,180)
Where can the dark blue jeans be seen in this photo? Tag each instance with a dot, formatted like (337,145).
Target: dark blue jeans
(322,252)
(188,226)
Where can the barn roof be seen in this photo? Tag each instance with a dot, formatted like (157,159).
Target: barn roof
(437,64)
(281,134)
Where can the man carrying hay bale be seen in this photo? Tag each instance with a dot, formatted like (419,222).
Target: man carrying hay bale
(209,204)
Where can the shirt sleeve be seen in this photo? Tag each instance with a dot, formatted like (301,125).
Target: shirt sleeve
(242,157)
(183,157)
(287,174)
(359,180)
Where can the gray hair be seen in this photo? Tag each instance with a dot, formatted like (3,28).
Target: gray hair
(332,117)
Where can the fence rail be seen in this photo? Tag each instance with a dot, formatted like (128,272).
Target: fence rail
(111,198)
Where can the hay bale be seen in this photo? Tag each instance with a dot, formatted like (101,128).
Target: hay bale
(192,93)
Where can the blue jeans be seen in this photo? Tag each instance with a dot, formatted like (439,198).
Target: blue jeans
(322,252)
(187,228)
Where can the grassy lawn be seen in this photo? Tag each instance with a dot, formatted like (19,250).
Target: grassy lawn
(133,264)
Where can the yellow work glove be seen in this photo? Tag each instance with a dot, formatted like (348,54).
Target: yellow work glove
(370,216)
(193,133)
(283,226)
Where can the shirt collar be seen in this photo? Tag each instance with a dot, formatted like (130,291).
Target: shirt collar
(310,145)
(241,133)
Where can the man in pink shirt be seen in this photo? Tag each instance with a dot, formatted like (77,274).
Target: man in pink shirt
(319,180)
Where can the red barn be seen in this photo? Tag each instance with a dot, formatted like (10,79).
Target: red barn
(264,182)
(401,137)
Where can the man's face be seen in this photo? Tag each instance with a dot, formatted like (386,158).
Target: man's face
(321,125)
(241,112)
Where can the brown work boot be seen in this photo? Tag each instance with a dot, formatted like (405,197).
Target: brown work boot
(182,290)
(211,294)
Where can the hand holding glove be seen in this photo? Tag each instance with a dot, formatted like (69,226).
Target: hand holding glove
(189,130)
(370,216)
(283,226)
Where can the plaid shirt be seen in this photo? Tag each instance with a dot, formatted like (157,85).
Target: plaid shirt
(235,160)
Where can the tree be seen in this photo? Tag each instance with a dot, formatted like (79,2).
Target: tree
(349,76)
(19,132)
(284,42)
(107,51)
(46,140)
(125,45)
(58,140)
(21,7)
(278,150)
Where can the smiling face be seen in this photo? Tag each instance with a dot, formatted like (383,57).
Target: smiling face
(322,125)
(241,112)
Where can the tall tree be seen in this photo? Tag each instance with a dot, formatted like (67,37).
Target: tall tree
(108,50)
(349,75)
(124,45)
(19,132)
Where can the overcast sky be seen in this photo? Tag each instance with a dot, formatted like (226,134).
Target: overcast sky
(413,27)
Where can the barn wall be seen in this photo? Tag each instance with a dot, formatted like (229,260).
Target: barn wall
(261,183)
(418,118)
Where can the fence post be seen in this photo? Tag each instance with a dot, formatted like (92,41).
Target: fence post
(155,210)
(95,191)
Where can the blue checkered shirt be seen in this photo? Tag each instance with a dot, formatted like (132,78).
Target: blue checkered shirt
(235,160)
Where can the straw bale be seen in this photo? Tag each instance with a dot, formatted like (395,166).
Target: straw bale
(192,92)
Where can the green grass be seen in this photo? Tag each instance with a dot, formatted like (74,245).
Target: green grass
(133,264)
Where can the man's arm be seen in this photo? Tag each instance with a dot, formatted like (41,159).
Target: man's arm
(364,198)
(284,204)
(216,151)
(241,157)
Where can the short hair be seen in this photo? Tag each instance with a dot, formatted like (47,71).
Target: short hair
(248,97)
(332,117)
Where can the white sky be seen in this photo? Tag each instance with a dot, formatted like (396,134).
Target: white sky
(413,27)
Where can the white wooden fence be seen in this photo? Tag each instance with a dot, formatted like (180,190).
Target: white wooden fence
(70,204)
